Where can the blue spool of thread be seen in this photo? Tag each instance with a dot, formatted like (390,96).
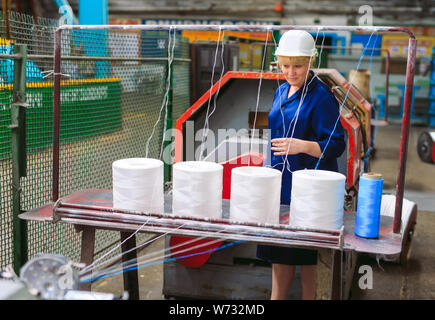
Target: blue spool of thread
(368,213)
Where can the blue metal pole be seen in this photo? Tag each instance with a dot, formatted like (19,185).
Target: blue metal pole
(93,12)
(96,12)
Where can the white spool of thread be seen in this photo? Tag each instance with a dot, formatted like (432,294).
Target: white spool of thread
(388,208)
(255,194)
(317,199)
(197,189)
(138,185)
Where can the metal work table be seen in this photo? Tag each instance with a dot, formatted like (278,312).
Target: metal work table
(91,209)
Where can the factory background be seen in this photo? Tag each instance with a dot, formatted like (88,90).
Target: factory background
(124,96)
(416,16)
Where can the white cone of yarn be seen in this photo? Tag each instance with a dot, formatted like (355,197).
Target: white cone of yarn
(255,194)
(317,199)
(138,185)
(197,189)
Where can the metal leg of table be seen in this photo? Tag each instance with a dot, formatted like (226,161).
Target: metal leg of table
(87,250)
(131,279)
(337,278)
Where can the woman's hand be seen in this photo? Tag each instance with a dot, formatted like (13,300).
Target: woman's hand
(290,146)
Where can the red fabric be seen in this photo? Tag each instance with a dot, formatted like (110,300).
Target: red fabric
(433,152)
(197,260)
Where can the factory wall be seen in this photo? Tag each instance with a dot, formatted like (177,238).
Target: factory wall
(389,11)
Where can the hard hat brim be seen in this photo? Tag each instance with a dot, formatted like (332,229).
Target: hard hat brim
(284,53)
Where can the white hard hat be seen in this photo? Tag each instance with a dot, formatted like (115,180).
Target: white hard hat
(296,43)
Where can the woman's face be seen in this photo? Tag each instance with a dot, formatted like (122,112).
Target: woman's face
(295,73)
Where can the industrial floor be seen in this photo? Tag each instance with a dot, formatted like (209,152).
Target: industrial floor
(415,280)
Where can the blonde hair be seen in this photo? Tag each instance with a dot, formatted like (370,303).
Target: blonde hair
(296,60)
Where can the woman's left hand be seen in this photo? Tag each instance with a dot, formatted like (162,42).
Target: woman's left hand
(283,146)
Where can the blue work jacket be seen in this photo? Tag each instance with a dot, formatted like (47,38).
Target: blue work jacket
(315,121)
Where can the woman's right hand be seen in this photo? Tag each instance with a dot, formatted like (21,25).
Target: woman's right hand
(291,146)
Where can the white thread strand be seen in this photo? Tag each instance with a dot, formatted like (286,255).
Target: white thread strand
(345,98)
(124,264)
(165,122)
(143,260)
(220,79)
(95,265)
(258,94)
(205,128)
(280,96)
(164,102)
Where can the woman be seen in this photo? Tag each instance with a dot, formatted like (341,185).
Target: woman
(301,122)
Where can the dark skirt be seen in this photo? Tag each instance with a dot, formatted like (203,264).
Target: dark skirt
(285,255)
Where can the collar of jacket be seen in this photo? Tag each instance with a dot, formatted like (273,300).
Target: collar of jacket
(311,84)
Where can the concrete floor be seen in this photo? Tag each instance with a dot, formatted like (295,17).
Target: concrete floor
(414,280)
(150,278)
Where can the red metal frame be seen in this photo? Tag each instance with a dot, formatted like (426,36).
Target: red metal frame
(354,162)
(409,84)
(433,152)
(206,96)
